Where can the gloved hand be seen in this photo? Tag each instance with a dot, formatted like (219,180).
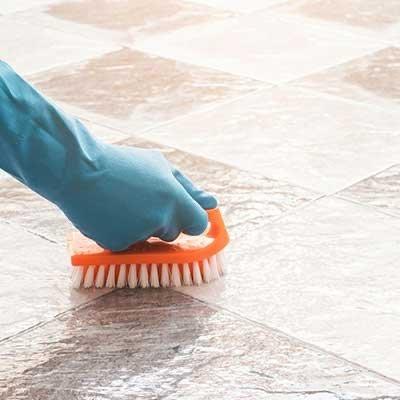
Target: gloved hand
(114,195)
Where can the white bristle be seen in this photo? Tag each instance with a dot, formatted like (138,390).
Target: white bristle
(101,272)
(110,282)
(89,277)
(214,268)
(220,262)
(197,279)
(143,276)
(164,275)
(77,276)
(121,282)
(187,277)
(132,276)
(175,276)
(154,282)
(206,271)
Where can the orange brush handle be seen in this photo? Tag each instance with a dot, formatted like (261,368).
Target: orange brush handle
(185,249)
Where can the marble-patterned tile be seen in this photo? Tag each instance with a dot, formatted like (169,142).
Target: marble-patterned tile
(240,5)
(327,274)
(25,208)
(373,79)
(139,17)
(12,6)
(263,45)
(138,89)
(380,191)
(30,48)
(247,200)
(379,17)
(292,134)
(34,280)
(172,351)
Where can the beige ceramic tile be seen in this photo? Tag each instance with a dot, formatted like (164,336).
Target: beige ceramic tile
(11,6)
(263,46)
(139,17)
(306,138)
(138,90)
(247,200)
(34,280)
(158,344)
(23,207)
(372,79)
(327,274)
(30,48)
(240,5)
(380,191)
(378,17)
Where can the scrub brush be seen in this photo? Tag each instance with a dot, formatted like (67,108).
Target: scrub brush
(189,260)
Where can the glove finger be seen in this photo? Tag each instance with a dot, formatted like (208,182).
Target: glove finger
(206,200)
(170,234)
(192,217)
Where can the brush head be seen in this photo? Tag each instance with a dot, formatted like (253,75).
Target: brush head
(153,263)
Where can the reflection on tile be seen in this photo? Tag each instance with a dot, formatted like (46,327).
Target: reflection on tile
(373,79)
(34,281)
(240,5)
(149,16)
(29,48)
(247,200)
(295,135)
(10,6)
(327,274)
(262,46)
(371,14)
(171,351)
(27,209)
(381,191)
(140,89)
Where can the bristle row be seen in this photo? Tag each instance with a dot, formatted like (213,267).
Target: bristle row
(149,275)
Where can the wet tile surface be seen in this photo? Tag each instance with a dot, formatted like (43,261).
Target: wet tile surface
(299,136)
(138,17)
(323,269)
(247,200)
(262,47)
(158,344)
(240,5)
(328,274)
(117,85)
(380,191)
(12,6)
(371,14)
(27,209)
(34,281)
(373,79)
(29,48)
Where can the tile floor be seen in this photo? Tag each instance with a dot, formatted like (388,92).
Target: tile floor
(287,110)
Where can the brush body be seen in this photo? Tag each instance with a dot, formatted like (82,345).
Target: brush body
(189,260)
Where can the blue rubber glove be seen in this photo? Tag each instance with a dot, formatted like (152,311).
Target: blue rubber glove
(115,195)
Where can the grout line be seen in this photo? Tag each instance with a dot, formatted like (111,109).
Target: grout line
(363,179)
(370,207)
(27,230)
(53,318)
(292,338)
